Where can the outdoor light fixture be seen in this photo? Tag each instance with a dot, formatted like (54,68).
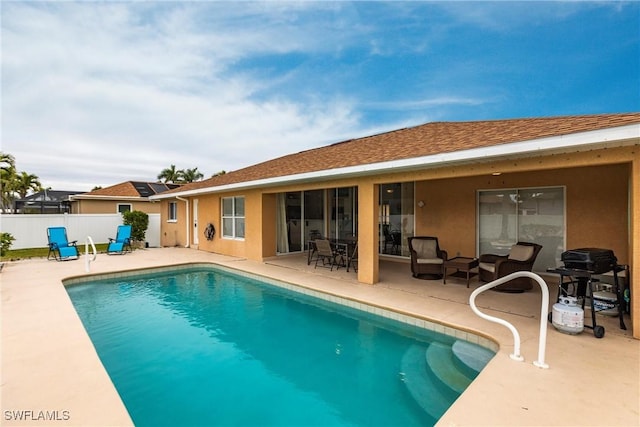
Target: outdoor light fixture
(496,173)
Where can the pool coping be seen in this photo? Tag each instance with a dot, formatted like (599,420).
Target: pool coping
(48,361)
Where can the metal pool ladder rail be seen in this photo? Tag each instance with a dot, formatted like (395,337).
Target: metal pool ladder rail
(88,260)
(544,310)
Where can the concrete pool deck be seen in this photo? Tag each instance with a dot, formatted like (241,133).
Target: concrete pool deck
(51,374)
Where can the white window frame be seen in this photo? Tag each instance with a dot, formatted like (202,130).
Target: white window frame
(172,213)
(232,219)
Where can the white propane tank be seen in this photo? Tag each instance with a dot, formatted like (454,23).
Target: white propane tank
(567,316)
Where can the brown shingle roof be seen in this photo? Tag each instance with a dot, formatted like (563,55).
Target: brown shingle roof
(132,189)
(427,139)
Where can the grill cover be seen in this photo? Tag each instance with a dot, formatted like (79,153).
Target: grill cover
(595,260)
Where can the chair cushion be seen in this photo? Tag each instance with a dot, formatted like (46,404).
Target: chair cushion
(487,266)
(521,252)
(68,251)
(425,249)
(429,260)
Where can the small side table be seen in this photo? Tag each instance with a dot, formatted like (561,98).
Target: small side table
(462,265)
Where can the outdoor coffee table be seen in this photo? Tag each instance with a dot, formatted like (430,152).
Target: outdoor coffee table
(462,265)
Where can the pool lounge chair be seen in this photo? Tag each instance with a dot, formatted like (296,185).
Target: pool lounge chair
(61,248)
(122,242)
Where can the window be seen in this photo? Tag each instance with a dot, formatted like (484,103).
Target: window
(124,207)
(173,211)
(531,215)
(233,217)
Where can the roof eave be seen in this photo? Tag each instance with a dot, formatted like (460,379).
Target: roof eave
(99,197)
(575,142)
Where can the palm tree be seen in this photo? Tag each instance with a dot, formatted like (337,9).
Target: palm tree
(170,174)
(191,175)
(7,179)
(6,158)
(25,182)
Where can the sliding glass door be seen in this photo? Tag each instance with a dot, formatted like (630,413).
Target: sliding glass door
(313,215)
(396,218)
(343,212)
(289,222)
(532,215)
(305,215)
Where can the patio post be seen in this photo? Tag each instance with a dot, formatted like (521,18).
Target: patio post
(634,253)
(368,260)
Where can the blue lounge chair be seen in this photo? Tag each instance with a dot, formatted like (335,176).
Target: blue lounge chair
(61,248)
(122,242)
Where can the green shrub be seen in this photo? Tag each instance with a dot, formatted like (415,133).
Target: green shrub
(6,239)
(139,221)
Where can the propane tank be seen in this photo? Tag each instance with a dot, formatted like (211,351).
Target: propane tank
(567,316)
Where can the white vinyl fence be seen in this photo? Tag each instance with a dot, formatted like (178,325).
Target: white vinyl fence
(30,231)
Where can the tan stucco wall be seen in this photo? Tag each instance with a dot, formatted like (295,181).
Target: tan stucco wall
(253,244)
(173,233)
(596,206)
(449,213)
(111,206)
(208,213)
(269,247)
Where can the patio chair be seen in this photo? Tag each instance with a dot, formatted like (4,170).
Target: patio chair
(122,242)
(520,258)
(311,245)
(353,259)
(427,259)
(59,246)
(393,238)
(326,253)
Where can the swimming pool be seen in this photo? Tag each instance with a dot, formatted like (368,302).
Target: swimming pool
(204,346)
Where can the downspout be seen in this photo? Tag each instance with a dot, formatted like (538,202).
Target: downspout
(188,221)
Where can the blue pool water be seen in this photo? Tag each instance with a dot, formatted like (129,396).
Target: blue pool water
(204,347)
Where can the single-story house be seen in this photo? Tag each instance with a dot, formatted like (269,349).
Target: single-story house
(118,198)
(479,186)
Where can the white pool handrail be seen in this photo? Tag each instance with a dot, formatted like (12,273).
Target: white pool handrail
(88,260)
(544,310)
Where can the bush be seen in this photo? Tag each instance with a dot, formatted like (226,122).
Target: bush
(139,221)
(6,239)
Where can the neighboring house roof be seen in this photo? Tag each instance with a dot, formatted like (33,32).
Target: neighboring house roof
(436,143)
(128,190)
(50,196)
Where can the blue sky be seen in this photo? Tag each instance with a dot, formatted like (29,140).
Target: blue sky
(97,93)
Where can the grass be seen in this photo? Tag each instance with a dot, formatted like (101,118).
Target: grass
(18,254)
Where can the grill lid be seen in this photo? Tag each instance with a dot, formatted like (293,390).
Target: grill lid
(595,260)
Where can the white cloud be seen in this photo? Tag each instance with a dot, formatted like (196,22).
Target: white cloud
(95,93)
(504,16)
(120,91)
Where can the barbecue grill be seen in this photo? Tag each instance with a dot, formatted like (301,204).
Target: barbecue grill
(580,265)
(596,261)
